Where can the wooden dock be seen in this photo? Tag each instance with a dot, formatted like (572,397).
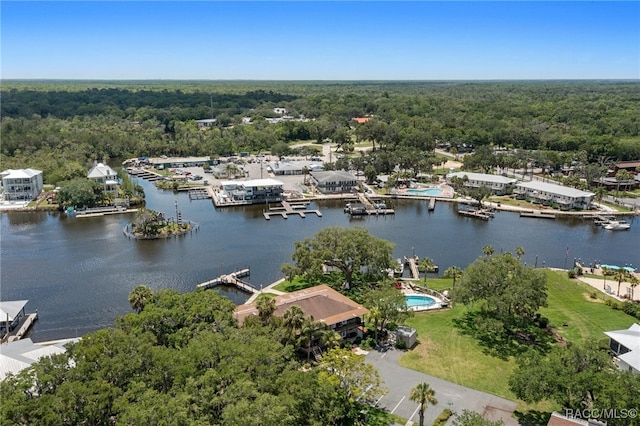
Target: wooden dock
(432,204)
(413,267)
(285,209)
(538,214)
(367,207)
(232,280)
(25,325)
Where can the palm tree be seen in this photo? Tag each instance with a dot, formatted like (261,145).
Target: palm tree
(139,297)
(488,250)
(453,272)
(293,319)
(519,252)
(309,331)
(633,282)
(375,316)
(423,395)
(427,265)
(331,339)
(620,275)
(266,307)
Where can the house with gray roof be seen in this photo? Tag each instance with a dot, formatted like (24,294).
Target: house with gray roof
(285,167)
(550,193)
(334,182)
(22,184)
(106,177)
(18,355)
(499,185)
(625,344)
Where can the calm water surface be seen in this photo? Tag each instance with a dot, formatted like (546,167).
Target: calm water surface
(78,272)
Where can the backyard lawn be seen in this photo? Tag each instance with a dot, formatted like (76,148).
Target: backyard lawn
(444,351)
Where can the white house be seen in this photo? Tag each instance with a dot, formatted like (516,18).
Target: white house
(105,176)
(256,191)
(281,111)
(550,193)
(625,344)
(23,184)
(499,185)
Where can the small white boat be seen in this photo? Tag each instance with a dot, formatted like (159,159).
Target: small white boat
(617,225)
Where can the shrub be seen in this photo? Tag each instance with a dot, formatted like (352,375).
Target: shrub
(543,322)
(593,294)
(632,309)
(443,417)
(400,344)
(571,273)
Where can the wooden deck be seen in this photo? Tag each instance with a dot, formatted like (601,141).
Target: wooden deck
(478,214)
(232,280)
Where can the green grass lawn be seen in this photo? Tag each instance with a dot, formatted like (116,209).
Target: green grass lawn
(443,351)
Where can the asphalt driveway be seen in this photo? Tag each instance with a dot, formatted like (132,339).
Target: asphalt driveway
(400,380)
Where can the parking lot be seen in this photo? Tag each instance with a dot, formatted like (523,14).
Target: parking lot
(400,380)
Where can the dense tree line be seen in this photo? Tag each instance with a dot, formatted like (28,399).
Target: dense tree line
(46,125)
(182,360)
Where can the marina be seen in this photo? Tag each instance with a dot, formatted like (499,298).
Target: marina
(91,262)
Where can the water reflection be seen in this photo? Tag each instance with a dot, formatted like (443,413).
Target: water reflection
(78,272)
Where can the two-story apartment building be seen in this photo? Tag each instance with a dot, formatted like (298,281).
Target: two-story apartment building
(21,185)
(106,177)
(334,182)
(499,185)
(550,193)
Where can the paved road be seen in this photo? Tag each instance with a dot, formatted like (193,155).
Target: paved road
(400,380)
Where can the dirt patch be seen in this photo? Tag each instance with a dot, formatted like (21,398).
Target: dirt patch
(588,297)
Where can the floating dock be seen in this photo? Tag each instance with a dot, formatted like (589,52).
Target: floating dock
(367,207)
(285,209)
(199,193)
(483,214)
(232,280)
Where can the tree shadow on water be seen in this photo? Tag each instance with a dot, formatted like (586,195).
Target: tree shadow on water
(501,340)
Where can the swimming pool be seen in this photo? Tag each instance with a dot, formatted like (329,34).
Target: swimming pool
(419,301)
(434,192)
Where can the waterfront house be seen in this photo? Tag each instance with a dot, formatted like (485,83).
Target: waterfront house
(256,191)
(625,344)
(334,182)
(106,177)
(22,184)
(550,193)
(499,185)
(336,311)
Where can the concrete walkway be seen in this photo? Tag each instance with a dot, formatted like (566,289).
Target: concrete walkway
(400,380)
(267,289)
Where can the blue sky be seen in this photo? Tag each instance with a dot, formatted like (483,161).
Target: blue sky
(320,40)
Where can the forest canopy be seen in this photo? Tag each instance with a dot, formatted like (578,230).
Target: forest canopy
(46,124)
